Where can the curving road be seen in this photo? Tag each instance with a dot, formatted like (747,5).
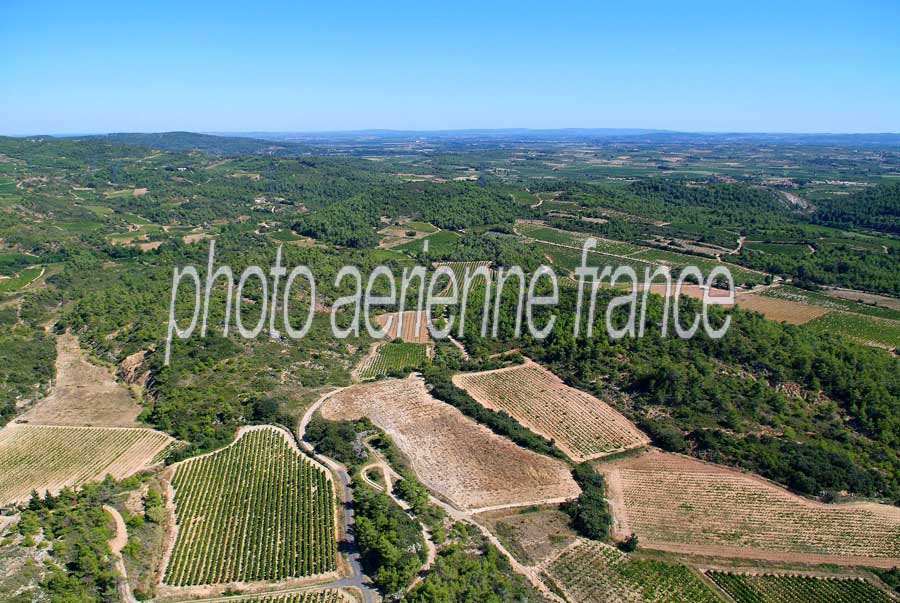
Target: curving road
(357,579)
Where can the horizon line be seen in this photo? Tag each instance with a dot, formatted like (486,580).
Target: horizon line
(630,131)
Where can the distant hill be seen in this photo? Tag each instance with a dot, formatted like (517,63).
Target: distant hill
(206,143)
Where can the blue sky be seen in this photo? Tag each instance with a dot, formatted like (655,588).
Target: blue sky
(77,67)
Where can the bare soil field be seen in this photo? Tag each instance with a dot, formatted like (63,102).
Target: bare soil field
(677,504)
(194,237)
(687,290)
(781,310)
(396,235)
(582,426)
(403,325)
(454,456)
(869,298)
(83,393)
(49,457)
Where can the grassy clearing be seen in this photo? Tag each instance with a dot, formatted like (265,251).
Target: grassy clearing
(19,281)
(421,227)
(438,243)
(284,236)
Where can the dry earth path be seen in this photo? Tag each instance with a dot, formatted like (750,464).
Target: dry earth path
(116,545)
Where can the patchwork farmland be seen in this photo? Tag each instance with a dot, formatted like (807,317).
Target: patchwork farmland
(677,504)
(258,510)
(48,458)
(582,426)
(453,455)
(593,572)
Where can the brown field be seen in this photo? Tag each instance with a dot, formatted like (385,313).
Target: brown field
(781,310)
(407,330)
(49,457)
(454,456)
(194,237)
(83,393)
(674,503)
(149,246)
(582,426)
(869,298)
(687,290)
(396,235)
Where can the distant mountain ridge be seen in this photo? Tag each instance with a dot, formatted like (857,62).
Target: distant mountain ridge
(206,143)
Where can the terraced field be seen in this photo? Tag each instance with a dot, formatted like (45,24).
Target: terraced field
(769,588)
(258,510)
(678,504)
(45,457)
(594,572)
(582,426)
(393,356)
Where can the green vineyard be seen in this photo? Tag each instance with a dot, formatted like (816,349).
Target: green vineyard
(752,588)
(257,510)
(394,356)
(593,572)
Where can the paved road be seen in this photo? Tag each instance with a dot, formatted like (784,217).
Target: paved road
(357,579)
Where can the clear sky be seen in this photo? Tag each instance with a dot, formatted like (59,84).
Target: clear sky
(80,67)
